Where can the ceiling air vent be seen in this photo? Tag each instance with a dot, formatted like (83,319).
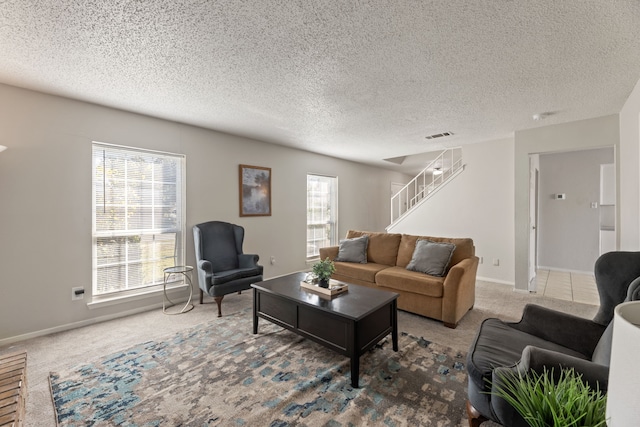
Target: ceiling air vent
(439,135)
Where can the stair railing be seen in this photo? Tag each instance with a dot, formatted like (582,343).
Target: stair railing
(420,188)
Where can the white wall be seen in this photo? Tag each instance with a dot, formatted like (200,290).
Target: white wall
(569,229)
(45,201)
(629,173)
(478,204)
(578,135)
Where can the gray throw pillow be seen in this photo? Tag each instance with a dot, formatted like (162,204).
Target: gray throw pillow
(353,250)
(431,258)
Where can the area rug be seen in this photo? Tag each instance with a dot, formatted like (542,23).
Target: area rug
(220,374)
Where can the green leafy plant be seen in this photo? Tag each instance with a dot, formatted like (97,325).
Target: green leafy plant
(323,269)
(545,402)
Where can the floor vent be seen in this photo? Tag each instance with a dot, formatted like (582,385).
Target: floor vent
(439,135)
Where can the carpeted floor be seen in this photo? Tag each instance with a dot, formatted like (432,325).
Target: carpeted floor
(61,351)
(229,377)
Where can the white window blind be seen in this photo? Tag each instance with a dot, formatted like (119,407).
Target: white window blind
(138,217)
(322,213)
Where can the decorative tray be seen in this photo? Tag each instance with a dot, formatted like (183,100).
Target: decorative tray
(334,288)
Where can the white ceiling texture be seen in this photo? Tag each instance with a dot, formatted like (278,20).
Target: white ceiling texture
(364,80)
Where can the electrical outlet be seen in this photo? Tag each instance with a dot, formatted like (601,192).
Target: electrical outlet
(77,293)
(481,260)
(272,260)
(496,262)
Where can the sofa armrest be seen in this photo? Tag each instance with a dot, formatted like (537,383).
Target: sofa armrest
(537,359)
(205,271)
(330,252)
(576,333)
(205,266)
(459,290)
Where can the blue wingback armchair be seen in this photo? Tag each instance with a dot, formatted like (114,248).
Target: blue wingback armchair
(547,338)
(221,265)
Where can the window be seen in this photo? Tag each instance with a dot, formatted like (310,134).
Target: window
(322,213)
(138,217)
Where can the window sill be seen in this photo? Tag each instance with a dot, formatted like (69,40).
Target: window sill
(105,301)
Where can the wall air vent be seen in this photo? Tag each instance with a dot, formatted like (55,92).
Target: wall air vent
(439,135)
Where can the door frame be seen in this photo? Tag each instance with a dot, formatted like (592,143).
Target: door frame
(534,180)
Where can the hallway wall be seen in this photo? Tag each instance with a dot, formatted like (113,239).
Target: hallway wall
(569,230)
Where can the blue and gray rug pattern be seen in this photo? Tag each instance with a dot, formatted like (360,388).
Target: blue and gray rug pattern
(220,374)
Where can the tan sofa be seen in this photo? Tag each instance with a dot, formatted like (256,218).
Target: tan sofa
(445,298)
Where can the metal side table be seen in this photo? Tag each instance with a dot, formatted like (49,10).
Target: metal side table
(185,271)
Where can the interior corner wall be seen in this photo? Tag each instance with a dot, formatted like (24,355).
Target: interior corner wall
(629,173)
(579,135)
(478,204)
(45,201)
(569,229)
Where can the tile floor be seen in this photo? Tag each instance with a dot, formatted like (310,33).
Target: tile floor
(567,286)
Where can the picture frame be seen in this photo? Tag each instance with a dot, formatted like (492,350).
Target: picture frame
(255,190)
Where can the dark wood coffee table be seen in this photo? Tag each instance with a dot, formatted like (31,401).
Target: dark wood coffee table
(349,323)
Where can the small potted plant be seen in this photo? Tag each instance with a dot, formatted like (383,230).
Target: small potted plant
(322,270)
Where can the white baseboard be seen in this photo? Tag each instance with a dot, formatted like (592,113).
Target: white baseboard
(492,280)
(74,325)
(173,290)
(565,270)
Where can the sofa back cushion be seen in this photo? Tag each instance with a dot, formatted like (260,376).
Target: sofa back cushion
(382,248)
(464,248)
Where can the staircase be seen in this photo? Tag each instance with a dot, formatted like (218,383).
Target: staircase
(438,173)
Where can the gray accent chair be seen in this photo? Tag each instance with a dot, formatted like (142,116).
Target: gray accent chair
(221,265)
(614,270)
(546,338)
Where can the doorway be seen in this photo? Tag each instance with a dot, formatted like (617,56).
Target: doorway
(565,211)
(400,203)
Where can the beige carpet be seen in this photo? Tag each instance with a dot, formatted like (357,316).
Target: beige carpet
(66,349)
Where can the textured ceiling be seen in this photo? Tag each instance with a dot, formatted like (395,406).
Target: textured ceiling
(356,79)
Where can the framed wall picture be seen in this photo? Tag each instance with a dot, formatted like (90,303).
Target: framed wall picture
(255,191)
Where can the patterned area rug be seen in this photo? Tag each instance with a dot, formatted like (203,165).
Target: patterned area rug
(220,374)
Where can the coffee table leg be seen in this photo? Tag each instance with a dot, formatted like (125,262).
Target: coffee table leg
(394,320)
(355,370)
(255,311)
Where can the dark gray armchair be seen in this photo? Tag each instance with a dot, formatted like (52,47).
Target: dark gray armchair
(548,339)
(221,265)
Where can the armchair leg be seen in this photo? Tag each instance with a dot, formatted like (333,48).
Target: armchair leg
(201,297)
(219,302)
(450,325)
(475,417)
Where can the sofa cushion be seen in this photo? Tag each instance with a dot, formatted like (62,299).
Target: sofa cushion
(464,248)
(235,274)
(383,247)
(431,258)
(498,344)
(365,272)
(410,281)
(353,250)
